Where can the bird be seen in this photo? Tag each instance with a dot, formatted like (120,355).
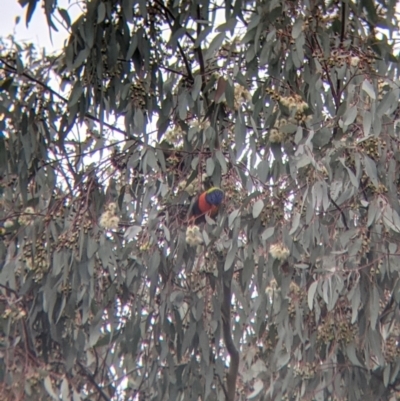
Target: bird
(208,202)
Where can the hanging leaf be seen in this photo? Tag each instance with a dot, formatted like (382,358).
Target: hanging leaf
(369,89)
(49,388)
(350,115)
(311,294)
(370,169)
(221,86)
(257,208)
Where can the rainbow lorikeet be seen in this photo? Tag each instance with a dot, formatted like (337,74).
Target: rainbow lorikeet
(208,202)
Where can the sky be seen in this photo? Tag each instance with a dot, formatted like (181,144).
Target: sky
(37,31)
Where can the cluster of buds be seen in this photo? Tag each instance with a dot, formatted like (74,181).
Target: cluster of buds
(306,371)
(241,95)
(197,281)
(193,236)
(145,246)
(226,139)
(37,261)
(317,18)
(86,224)
(67,239)
(391,350)
(368,184)
(326,331)
(193,187)
(297,107)
(371,147)
(109,220)
(276,135)
(153,13)
(14,313)
(292,396)
(272,288)
(138,94)
(295,296)
(41,107)
(79,221)
(174,136)
(354,61)
(8,223)
(294,102)
(345,331)
(365,243)
(383,88)
(271,213)
(112,71)
(27,216)
(279,251)
(200,125)
(340,57)
(233,192)
(338,329)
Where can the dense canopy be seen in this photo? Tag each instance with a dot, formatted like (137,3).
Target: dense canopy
(110,290)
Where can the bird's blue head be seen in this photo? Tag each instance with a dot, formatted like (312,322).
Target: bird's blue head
(214,196)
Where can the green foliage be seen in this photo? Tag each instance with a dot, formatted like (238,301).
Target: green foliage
(291,293)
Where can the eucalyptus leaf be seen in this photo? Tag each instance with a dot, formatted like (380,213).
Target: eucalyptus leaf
(257,208)
(368,88)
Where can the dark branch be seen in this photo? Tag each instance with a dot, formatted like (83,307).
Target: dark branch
(200,56)
(340,210)
(63,99)
(167,13)
(227,330)
(92,380)
(342,33)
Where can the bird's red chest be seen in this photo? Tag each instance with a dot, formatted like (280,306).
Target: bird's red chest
(205,207)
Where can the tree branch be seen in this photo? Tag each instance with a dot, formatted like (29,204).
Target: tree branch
(92,380)
(342,33)
(65,100)
(167,13)
(200,56)
(227,331)
(340,210)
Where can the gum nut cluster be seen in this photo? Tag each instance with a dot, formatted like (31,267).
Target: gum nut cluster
(8,224)
(26,217)
(200,125)
(241,95)
(354,61)
(109,219)
(193,187)
(294,102)
(276,135)
(193,236)
(271,288)
(279,251)
(174,136)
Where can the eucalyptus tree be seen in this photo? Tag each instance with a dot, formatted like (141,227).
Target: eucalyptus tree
(108,288)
